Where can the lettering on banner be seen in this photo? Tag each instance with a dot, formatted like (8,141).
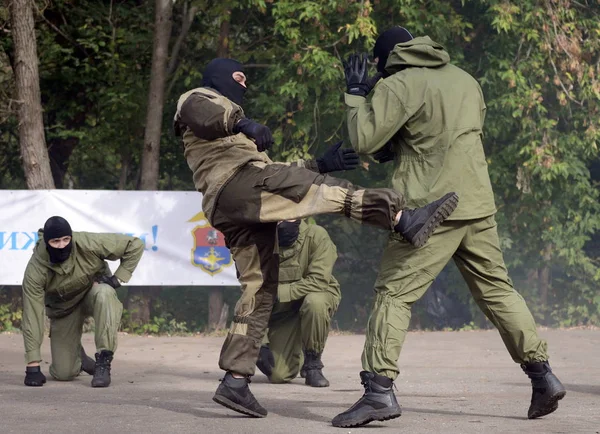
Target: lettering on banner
(17,240)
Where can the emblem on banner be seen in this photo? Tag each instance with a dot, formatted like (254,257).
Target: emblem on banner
(209,252)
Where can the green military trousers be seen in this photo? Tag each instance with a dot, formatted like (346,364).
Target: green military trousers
(102,304)
(297,326)
(406,273)
(247,211)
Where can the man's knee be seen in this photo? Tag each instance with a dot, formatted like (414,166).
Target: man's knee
(104,294)
(317,304)
(64,371)
(281,377)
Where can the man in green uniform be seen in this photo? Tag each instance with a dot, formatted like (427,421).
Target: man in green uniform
(245,194)
(427,116)
(307,297)
(68,275)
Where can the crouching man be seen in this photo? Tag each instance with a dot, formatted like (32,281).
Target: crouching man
(307,297)
(68,275)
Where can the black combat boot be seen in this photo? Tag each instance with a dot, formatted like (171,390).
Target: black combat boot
(377,403)
(102,369)
(235,394)
(547,389)
(87,363)
(313,370)
(417,225)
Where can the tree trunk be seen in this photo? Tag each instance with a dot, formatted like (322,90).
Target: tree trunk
(215,309)
(156,96)
(59,152)
(125,163)
(34,153)
(215,297)
(139,299)
(138,304)
(544,282)
(223,47)
(189,12)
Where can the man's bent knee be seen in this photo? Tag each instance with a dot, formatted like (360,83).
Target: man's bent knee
(277,378)
(64,373)
(103,290)
(316,304)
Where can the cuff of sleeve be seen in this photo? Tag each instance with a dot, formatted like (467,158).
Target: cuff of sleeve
(33,356)
(122,274)
(312,165)
(284,292)
(354,100)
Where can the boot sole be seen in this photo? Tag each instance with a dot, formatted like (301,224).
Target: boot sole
(236,407)
(316,385)
(550,407)
(374,416)
(100,384)
(441,213)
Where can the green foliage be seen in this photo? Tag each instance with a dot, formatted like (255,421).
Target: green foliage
(164,324)
(9,318)
(537,62)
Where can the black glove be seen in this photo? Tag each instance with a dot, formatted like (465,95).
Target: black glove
(34,376)
(385,154)
(337,159)
(357,76)
(266,361)
(109,280)
(372,81)
(261,134)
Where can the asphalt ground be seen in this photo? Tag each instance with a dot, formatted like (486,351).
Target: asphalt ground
(450,382)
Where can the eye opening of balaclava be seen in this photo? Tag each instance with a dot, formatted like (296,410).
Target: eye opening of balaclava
(287,232)
(218,74)
(385,44)
(57,227)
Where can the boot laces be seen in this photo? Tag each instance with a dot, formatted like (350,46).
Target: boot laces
(367,386)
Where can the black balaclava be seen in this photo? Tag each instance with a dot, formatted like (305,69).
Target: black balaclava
(218,75)
(385,44)
(57,227)
(287,233)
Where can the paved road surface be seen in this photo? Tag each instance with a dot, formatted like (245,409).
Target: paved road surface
(450,382)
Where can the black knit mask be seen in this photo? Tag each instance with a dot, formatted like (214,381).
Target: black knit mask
(57,227)
(287,233)
(385,44)
(218,75)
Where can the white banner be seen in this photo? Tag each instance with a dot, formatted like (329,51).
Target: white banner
(181,247)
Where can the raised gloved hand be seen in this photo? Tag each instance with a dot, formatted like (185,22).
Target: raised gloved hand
(372,81)
(385,154)
(357,75)
(109,280)
(34,376)
(266,361)
(337,159)
(261,134)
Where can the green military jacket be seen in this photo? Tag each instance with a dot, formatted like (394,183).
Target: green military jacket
(433,113)
(61,287)
(205,119)
(307,265)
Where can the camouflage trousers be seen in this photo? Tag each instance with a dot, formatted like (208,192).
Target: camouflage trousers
(247,211)
(406,273)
